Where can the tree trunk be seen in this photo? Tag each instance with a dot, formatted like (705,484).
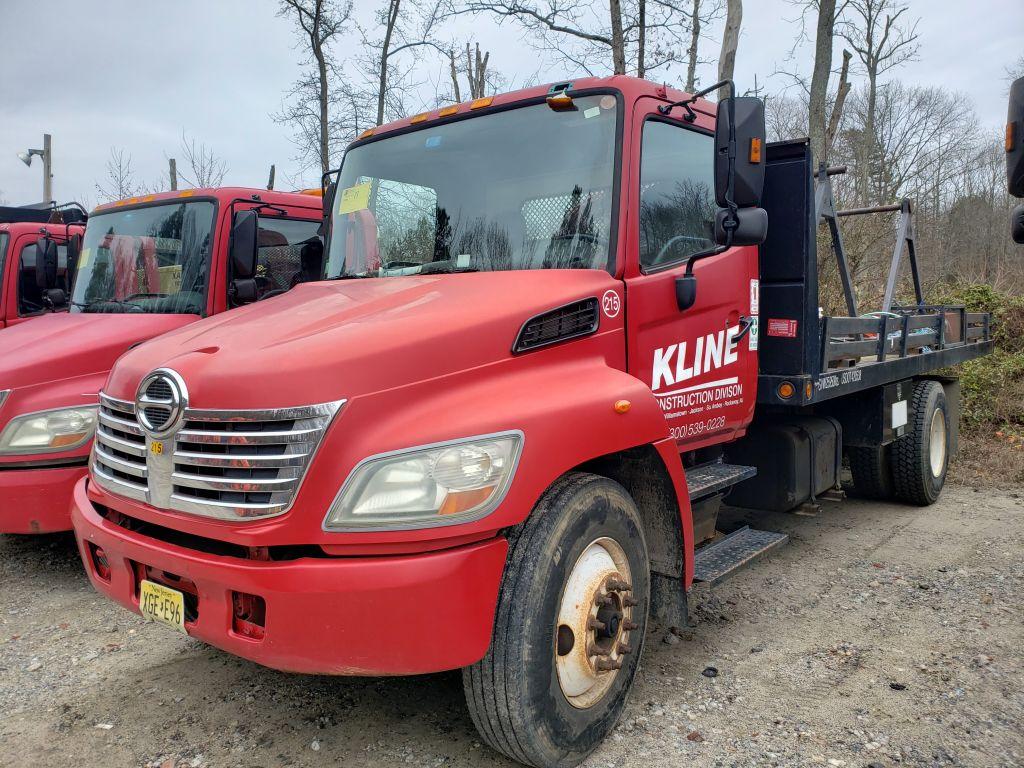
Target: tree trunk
(455,74)
(691,66)
(730,41)
(385,52)
(818,102)
(836,117)
(618,44)
(641,37)
(323,97)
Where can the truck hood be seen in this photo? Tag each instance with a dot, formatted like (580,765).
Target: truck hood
(326,341)
(64,345)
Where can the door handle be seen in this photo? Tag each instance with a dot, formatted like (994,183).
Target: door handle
(746,323)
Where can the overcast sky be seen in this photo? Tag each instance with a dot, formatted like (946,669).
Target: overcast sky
(134,75)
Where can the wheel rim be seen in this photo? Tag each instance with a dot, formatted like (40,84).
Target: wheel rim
(937,443)
(594,622)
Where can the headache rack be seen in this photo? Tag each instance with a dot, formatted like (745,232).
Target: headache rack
(822,357)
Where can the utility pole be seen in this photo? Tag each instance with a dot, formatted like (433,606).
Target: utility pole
(47,169)
(270,181)
(172,170)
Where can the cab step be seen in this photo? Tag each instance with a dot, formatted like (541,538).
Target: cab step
(720,560)
(710,479)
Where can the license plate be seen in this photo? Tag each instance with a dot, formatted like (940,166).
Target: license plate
(163,604)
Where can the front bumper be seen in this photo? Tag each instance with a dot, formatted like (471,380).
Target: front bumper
(37,500)
(397,615)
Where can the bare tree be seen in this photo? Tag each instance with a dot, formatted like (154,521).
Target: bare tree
(318,24)
(730,41)
(882,39)
(597,37)
(206,169)
(120,181)
(691,52)
(818,97)
(475,71)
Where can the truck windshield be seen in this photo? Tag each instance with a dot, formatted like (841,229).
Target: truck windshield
(525,188)
(153,259)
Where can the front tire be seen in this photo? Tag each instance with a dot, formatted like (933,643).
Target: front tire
(569,628)
(921,457)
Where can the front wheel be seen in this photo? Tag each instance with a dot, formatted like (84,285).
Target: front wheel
(569,628)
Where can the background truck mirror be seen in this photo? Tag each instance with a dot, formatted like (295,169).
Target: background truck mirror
(751,226)
(74,248)
(750,147)
(244,242)
(46,263)
(1017,224)
(1015,140)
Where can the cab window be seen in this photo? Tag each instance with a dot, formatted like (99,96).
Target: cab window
(30,295)
(289,252)
(677,199)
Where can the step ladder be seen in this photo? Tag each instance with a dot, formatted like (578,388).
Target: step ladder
(721,559)
(709,479)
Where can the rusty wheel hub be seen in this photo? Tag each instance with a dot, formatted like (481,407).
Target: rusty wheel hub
(594,622)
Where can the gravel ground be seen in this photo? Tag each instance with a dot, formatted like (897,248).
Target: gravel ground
(881,635)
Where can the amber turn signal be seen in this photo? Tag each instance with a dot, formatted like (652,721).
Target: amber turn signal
(622,406)
(786,390)
(755,150)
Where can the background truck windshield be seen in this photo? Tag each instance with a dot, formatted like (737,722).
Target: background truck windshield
(153,259)
(526,188)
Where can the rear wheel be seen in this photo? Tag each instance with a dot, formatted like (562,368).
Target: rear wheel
(569,627)
(921,457)
(872,471)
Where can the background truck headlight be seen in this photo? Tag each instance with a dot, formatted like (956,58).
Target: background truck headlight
(61,429)
(442,484)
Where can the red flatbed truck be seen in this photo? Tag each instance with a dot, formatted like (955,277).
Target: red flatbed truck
(28,237)
(145,265)
(497,436)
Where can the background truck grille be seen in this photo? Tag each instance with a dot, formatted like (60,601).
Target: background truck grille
(229,465)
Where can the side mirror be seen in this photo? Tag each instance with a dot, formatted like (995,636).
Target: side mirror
(686,291)
(329,194)
(1017,224)
(74,250)
(1015,140)
(242,291)
(751,226)
(46,263)
(244,244)
(55,298)
(746,113)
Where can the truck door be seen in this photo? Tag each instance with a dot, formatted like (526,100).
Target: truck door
(701,362)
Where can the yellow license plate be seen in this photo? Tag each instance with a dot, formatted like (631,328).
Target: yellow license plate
(163,604)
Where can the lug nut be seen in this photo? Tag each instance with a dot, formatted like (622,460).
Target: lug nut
(602,600)
(619,585)
(607,665)
(629,625)
(624,649)
(595,624)
(628,602)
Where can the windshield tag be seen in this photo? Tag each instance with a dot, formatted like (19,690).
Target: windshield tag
(355,198)
(83,258)
(592,112)
(462,261)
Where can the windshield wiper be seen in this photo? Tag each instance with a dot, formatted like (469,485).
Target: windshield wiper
(86,307)
(350,276)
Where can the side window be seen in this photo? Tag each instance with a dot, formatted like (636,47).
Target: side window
(677,194)
(30,295)
(289,252)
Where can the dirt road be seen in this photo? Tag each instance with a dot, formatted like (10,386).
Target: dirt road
(881,635)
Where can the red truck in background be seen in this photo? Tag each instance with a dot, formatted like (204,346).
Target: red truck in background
(34,275)
(145,266)
(558,326)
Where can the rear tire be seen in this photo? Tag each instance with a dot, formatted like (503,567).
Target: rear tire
(872,471)
(921,457)
(536,696)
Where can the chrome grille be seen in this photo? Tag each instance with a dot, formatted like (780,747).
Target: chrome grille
(229,465)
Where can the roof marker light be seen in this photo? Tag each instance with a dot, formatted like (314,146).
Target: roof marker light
(481,103)
(444,112)
(420,118)
(366,134)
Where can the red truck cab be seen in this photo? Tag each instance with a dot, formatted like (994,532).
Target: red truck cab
(493,437)
(146,265)
(22,297)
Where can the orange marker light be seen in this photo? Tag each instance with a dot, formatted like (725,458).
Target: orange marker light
(1011,138)
(366,133)
(755,150)
(421,117)
(481,103)
(622,406)
(786,390)
(186,193)
(560,101)
(448,110)
(809,390)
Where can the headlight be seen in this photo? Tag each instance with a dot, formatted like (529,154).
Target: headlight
(424,487)
(61,429)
